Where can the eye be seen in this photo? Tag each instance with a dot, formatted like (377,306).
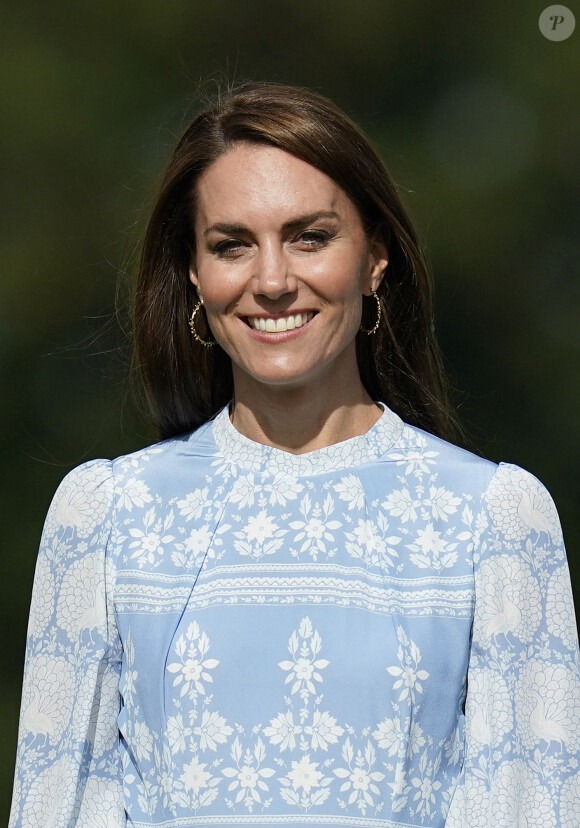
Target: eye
(228,248)
(314,239)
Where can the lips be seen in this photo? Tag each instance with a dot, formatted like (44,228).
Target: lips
(279,323)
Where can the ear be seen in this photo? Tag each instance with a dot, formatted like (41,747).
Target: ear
(195,281)
(379,259)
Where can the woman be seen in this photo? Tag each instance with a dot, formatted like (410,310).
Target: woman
(304,606)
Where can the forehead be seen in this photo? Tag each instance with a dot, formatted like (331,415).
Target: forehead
(253,181)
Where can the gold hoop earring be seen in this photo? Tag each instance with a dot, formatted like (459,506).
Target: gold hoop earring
(376,326)
(192,327)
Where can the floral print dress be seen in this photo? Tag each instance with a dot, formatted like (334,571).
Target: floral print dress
(377,633)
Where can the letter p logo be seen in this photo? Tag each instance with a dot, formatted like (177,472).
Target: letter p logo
(557,22)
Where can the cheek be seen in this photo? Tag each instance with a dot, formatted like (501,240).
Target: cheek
(219,285)
(342,277)
(337,269)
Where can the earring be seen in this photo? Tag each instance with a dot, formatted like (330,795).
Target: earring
(372,330)
(192,326)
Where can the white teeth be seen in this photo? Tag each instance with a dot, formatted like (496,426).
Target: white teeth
(285,323)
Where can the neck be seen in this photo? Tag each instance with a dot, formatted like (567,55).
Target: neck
(299,420)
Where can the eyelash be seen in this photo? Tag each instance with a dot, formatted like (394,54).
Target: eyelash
(312,239)
(227,246)
(318,237)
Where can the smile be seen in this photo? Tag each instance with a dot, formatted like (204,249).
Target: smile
(280,323)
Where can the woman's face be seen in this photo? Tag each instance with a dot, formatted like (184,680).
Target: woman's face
(280,245)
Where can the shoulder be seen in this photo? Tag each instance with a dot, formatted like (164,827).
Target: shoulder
(519,505)
(84,483)
(95,486)
(198,442)
(430,457)
(93,474)
(83,500)
(516,501)
(160,465)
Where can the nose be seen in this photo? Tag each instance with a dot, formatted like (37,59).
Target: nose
(273,275)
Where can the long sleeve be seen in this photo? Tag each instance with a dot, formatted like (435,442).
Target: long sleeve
(67,768)
(522,709)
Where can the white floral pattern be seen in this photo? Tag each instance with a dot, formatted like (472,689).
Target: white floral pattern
(489,708)
(559,598)
(430,550)
(51,796)
(314,533)
(47,698)
(520,505)
(43,598)
(248,775)
(372,543)
(407,674)
(83,501)
(102,806)
(151,538)
(550,708)
(304,669)
(534,810)
(80,604)
(360,780)
(510,601)
(192,669)
(376,633)
(570,801)
(89,721)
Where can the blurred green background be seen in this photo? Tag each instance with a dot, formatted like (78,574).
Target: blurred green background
(475,113)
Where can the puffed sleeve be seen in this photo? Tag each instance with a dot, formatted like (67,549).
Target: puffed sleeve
(522,708)
(67,767)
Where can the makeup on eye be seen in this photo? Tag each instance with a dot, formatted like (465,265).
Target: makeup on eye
(226,247)
(315,238)
(311,239)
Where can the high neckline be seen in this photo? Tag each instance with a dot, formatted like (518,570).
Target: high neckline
(250,455)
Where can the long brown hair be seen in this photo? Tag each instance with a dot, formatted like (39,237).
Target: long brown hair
(186,383)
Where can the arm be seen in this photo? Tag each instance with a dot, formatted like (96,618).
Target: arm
(522,712)
(67,765)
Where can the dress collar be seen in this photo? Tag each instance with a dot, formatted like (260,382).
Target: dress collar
(240,450)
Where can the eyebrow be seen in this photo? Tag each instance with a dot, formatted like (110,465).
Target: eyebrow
(293,224)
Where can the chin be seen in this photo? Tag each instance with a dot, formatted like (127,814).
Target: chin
(280,381)
(279,378)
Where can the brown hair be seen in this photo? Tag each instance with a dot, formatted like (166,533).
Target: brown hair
(186,383)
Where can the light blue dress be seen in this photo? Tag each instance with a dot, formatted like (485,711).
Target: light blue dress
(377,633)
